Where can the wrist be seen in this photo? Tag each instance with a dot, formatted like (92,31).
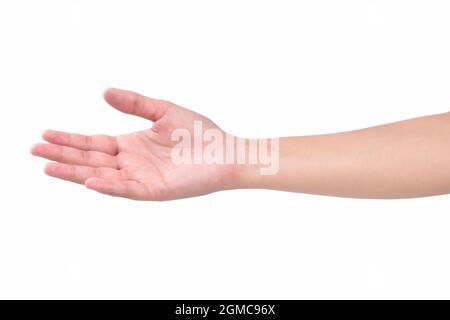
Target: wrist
(256,160)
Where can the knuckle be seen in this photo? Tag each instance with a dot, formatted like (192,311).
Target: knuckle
(72,172)
(138,102)
(88,142)
(96,172)
(85,156)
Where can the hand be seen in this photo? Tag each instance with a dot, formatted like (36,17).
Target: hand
(136,165)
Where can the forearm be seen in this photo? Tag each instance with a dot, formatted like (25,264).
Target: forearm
(404,159)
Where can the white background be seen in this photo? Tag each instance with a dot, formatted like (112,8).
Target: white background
(258,69)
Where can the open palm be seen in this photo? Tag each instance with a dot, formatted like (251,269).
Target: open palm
(136,165)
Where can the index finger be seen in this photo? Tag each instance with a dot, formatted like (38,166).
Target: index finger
(102,143)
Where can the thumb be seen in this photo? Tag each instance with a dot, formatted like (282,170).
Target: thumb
(136,104)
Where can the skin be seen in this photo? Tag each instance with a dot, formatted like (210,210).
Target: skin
(399,160)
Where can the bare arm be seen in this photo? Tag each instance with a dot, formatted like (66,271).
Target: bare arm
(404,159)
